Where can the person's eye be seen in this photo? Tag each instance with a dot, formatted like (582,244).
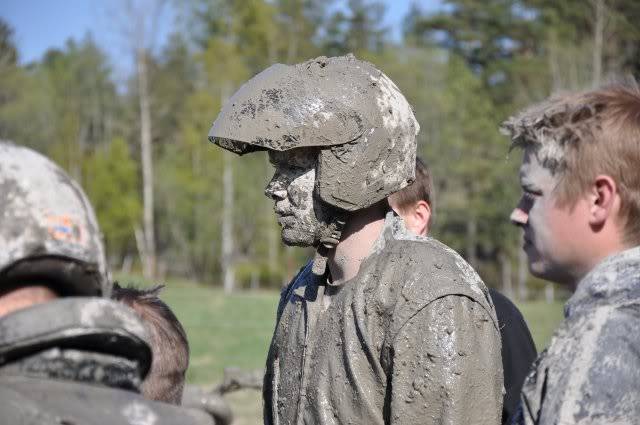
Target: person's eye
(528,199)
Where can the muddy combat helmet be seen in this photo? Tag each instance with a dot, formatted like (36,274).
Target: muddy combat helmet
(49,232)
(362,125)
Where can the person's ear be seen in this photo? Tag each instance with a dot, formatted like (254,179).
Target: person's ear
(422,215)
(604,200)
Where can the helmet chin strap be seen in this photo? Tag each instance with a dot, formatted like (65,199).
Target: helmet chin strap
(328,241)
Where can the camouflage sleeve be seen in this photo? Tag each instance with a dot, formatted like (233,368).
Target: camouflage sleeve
(447,367)
(601,384)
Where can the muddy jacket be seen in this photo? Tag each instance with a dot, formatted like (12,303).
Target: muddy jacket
(412,339)
(590,374)
(78,361)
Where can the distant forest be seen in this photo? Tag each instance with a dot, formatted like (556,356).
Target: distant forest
(170,203)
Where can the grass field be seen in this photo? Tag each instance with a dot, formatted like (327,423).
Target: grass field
(542,319)
(235,330)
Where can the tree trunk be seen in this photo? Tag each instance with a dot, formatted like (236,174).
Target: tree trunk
(227,257)
(472,239)
(228,270)
(292,46)
(522,274)
(505,269)
(272,235)
(255,280)
(140,244)
(149,262)
(554,66)
(598,37)
(549,293)
(76,169)
(127,261)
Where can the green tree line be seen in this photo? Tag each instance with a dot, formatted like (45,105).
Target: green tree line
(189,209)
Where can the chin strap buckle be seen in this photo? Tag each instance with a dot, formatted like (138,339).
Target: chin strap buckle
(327,243)
(319,262)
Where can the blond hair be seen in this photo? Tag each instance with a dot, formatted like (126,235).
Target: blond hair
(581,135)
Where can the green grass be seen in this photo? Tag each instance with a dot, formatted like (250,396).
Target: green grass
(542,319)
(235,330)
(223,330)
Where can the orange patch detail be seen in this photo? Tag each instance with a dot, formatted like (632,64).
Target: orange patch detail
(65,229)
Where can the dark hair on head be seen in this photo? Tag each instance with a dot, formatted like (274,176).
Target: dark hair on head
(420,190)
(169,344)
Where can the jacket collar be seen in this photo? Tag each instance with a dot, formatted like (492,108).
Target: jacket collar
(616,279)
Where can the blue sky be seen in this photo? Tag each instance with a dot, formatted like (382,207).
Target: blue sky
(40,24)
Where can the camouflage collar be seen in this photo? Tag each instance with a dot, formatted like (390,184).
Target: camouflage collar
(614,280)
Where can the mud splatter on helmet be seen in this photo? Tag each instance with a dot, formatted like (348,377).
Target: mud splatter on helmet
(48,230)
(360,121)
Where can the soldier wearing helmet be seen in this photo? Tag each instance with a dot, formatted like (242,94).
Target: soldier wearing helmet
(67,354)
(382,327)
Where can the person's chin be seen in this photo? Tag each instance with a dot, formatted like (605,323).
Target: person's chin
(295,237)
(537,270)
(537,266)
(548,271)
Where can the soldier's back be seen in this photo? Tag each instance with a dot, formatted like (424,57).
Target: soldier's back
(30,401)
(79,361)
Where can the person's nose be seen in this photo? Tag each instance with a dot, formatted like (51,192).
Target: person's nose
(276,189)
(519,216)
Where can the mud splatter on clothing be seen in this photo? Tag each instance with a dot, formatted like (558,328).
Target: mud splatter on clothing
(413,338)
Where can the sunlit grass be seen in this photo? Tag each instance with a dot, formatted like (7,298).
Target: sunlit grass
(223,330)
(542,318)
(235,330)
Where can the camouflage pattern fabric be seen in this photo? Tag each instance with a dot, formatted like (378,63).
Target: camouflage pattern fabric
(413,338)
(590,374)
(47,219)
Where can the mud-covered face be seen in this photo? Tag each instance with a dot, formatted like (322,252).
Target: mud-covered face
(553,234)
(299,212)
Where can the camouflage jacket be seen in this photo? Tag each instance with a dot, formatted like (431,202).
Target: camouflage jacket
(590,374)
(413,338)
(78,361)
